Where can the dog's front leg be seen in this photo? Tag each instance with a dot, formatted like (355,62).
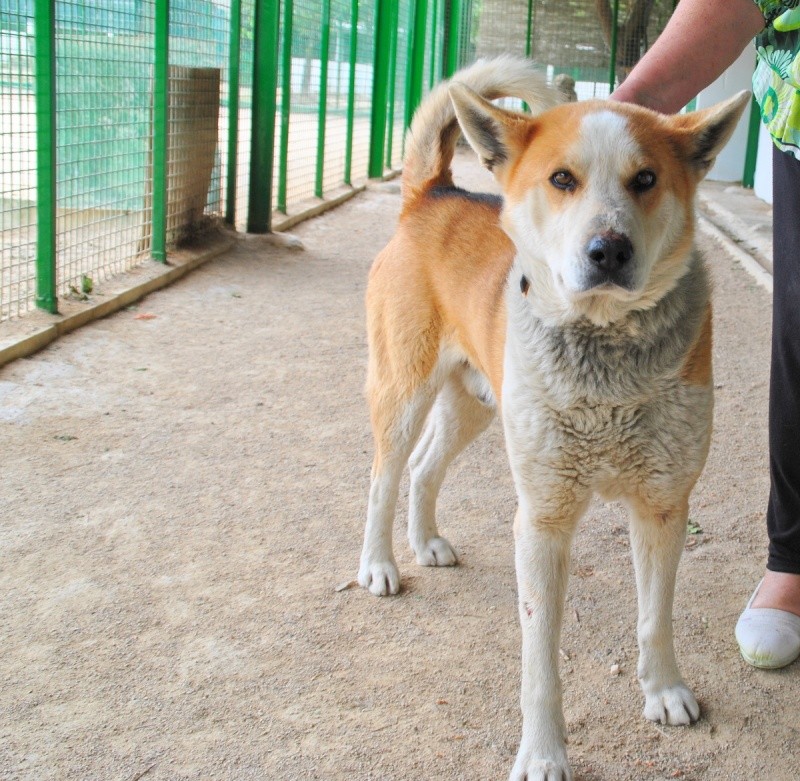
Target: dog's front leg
(542,563)
(657,539)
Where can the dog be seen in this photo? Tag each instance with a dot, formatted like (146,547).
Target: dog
(577,306)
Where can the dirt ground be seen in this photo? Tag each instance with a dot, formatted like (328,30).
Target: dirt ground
(182,494)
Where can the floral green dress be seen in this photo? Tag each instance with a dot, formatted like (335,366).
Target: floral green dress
(776,81)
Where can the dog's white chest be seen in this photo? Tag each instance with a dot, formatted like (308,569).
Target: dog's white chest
(599,417)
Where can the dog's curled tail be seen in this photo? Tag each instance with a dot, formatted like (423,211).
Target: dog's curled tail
(431,139)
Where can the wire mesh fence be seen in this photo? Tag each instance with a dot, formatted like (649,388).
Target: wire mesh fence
(159,125)
(17,162)
(595,42)
(102,126)
(240,139)
(361,86)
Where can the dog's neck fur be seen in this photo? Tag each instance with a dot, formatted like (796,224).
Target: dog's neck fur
(592,363)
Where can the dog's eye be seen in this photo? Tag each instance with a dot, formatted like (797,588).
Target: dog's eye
(644,180)
(564,180)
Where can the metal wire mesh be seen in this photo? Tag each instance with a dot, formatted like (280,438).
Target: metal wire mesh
(300,157)
(490,28)
(104,55)
(245,113)
(434,45)
(573,37)
(199,35)
(336,107)
(324,137)
(17,161)
(103,81)
(401,41)
(365,50)
(194,158)
(199,39)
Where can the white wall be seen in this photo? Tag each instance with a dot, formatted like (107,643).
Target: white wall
(762,186)
(730,163)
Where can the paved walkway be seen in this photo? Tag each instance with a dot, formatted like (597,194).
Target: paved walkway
(740,215)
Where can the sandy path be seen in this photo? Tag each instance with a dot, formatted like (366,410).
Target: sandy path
(182,494)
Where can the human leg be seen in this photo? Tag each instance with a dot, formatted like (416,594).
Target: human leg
(783,512)
(769,630)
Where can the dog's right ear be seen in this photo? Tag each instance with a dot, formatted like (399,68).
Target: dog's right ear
(496,135)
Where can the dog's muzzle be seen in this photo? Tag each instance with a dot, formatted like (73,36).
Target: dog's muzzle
(609,257)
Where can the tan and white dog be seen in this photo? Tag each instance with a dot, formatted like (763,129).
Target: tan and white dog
(578,306)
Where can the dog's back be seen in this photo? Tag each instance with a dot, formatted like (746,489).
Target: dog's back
(449,248)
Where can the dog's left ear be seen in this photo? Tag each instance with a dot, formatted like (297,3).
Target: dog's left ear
(496,135)
(702,134)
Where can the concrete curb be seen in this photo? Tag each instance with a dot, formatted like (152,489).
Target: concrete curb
(748,261)
(46,334)
(281,225)
(743,218)
(43,335)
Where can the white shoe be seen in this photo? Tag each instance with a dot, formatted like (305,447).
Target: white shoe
(768,638)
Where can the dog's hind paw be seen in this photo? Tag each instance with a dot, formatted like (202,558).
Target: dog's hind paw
(672,705)
(381,578)
(436,552)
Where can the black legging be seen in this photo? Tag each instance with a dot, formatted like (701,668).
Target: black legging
(783,511)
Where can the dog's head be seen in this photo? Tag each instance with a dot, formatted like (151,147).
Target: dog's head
(599,196)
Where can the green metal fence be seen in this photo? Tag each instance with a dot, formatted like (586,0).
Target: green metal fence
(128,127)
(17,162)
(596,42)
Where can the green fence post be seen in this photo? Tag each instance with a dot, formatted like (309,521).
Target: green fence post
(322,113)
(416,58)
(158,224)
(452,39)
(380,81)
(286,101)
(433,76)
(351,92)
(395,19)
(612,69)
(528,38)
(529,29)
(233,109)
(751,154)
(265,48)
(44,21)
(407,81)
(411,23)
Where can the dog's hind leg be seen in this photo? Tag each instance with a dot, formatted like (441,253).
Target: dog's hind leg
(457,417)
(657,539)
(396,427)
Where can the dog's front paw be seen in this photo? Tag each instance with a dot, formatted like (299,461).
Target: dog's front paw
(529,767)
(436,552)
(380,577)
(672,705)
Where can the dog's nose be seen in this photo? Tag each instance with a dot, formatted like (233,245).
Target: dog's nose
(609,251)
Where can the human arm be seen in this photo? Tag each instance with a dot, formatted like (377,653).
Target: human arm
(701,39)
